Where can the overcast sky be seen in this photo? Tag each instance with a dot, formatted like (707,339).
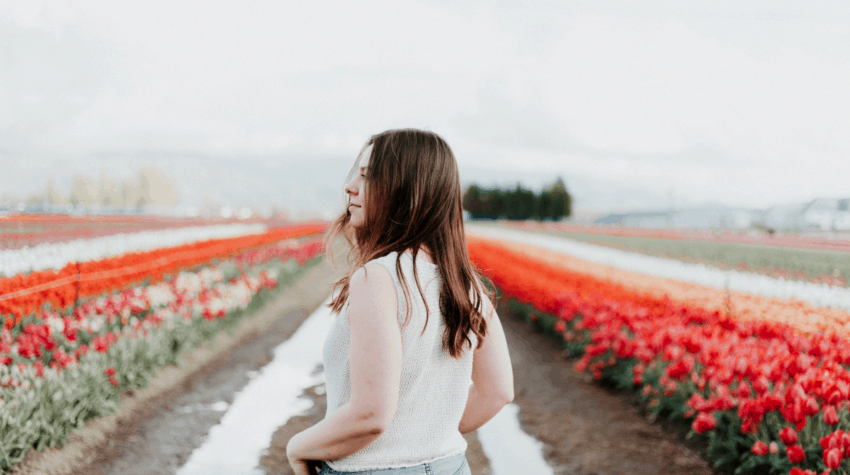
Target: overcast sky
(632,103)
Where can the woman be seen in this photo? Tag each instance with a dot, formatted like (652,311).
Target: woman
(400,357)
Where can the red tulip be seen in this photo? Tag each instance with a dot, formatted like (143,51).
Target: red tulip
(759,448)
(811,406)
(800,471)
(681,367)
(704,422)
(744,390)
(796,454)
(788,436)
(830,416)
(832,459)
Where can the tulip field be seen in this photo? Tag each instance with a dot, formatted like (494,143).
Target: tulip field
(761,376)
(86,319)
(753,362)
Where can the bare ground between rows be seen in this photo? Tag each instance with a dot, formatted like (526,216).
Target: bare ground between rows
(588,429)
(157,428)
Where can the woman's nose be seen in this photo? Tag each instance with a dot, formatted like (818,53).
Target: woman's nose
(351,186)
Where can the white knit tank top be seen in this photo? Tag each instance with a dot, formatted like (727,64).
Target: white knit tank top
(434,386)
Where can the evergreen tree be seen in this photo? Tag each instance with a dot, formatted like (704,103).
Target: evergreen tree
(497,203)
(544,205)
(553,203)
(472,201)
(561,201)
(521,203)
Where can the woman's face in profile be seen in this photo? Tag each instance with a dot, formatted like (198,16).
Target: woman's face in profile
(356,190)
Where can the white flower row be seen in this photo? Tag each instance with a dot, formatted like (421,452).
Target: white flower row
(58,255)
(820,295)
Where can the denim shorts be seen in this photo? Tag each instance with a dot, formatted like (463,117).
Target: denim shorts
(454,465)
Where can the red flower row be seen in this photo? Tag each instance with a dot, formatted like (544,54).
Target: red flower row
(54,339)
(707,362)
(25,294)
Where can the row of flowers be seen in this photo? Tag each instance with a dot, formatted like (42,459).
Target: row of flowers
(23,295)
(59,369)
(675,280)
(764,395)
(833,278)
(56,255)
(29,230)
(41,334)
(839,243)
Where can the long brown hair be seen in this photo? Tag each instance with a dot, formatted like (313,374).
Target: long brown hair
(413,198)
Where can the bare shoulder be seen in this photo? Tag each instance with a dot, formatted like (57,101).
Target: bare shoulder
(372,274)
(371,288)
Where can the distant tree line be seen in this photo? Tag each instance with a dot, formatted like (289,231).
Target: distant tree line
(553,203)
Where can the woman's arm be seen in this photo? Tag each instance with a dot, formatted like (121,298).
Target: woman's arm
(342,433)
(492,376)
(375,365)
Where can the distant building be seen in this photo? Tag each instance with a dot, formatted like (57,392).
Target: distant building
(737,218)
(700,218)
(783,216)
(841,222)
(842,216)
(823,214)
(820,213)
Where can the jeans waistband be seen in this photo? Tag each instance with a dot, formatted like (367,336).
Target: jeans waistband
(424,468)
